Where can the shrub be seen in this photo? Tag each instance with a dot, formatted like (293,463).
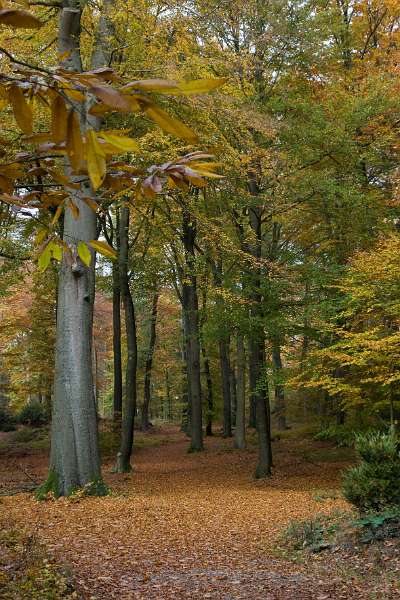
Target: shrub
(380,526)
(33,414)
(7,420)
(339,434)
(375,483)
(302,535)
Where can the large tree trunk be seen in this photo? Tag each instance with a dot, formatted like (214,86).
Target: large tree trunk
(149,364)
(240,430)
(129,405)
(74,460)
(190,307)
(117,398)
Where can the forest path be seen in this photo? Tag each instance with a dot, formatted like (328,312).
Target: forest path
(189,525)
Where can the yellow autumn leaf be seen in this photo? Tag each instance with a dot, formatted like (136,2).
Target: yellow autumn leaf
(84,253)
(170,124)
(59,119)
(21,109)
(200,86)
(103,248)
(19,18)
(122,143)
(74,145)
(96,162)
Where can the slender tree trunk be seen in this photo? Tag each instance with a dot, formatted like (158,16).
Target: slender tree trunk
(117,399)
(129,405)
(191,316)
(226,386)
(280,405)
(257,346)
(240,430)
(252,398)
(209,397)
(74,460)
(185,425)
(168,403)
(224,360)
(232,381)
(149,364)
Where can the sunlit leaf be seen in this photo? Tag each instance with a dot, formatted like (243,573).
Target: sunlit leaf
(122,143)
(22,110)
(84,253)
(74,144)
(103,248)
(169,124)
(19,18)
(96,162)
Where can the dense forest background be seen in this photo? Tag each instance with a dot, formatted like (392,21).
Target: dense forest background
(266,294)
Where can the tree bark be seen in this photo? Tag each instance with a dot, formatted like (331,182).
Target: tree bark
(185,424)
(74,460)
(117,358)
(190,307)
(129,405)
(280,405)
(226,386)
(145,425)
(240,429)
(209,396)
(258,382)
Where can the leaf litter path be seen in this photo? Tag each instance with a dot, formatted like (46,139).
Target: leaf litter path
(189,526)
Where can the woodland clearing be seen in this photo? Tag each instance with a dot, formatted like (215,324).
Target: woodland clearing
(195,525)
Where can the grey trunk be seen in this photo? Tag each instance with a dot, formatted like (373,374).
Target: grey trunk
(240,430)
(280,405)
(117,398)
(129,404)
(190,307)
(149,364)
(74,459)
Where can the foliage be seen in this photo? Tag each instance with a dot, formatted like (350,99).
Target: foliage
(33,414)
(301,535)
(381,525)
(374,484)
(360,366)
(339,434)
(27,572)
(7,420)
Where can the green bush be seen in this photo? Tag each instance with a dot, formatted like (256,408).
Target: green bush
(338,434)
(33,414)
(375,483)
(7,421)
(380,526)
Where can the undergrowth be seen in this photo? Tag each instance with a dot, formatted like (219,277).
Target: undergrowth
(27,572)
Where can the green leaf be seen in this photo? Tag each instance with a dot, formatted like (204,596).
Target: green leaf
(56,251)
(45,257)
(84,253)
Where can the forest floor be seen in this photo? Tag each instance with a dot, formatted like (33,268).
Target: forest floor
(192,525)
